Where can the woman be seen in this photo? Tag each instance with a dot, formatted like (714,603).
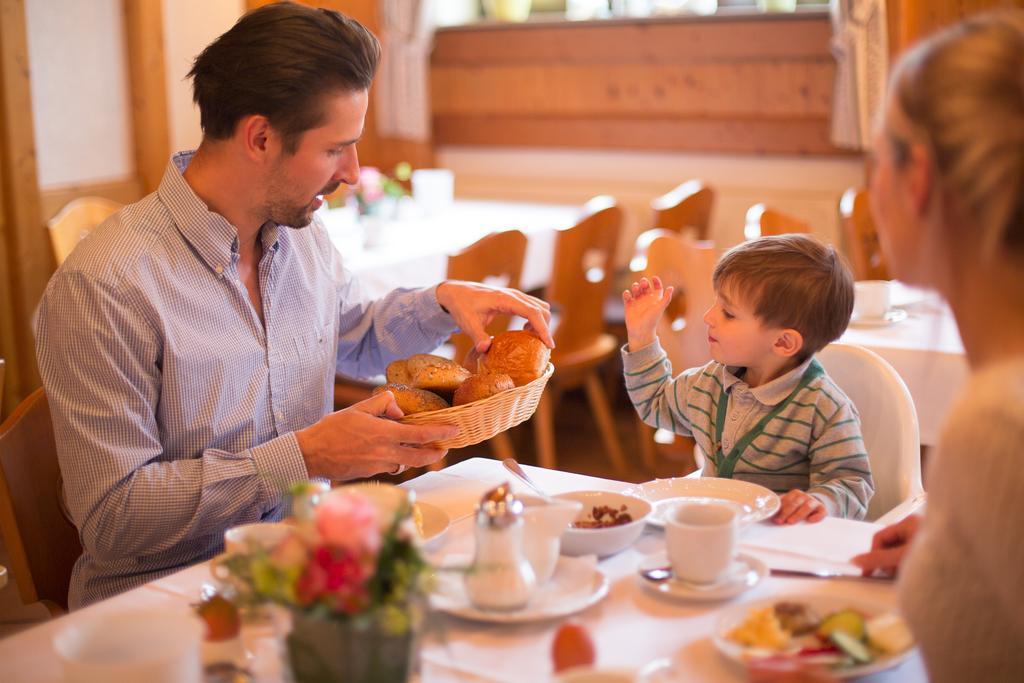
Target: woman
(947,192)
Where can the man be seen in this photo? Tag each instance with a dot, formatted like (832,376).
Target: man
(188,346)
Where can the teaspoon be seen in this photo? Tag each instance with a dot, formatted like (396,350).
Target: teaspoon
(512,466)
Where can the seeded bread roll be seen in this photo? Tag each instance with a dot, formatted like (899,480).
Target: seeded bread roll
(398,373)
(519,354)
(479,387)
(412,400)
(435,373)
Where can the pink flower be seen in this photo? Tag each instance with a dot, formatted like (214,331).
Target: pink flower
(371,183)
(349,521)
(336,577)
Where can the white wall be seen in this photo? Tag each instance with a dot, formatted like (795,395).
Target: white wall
(809,188)
(189,26)
(79,91)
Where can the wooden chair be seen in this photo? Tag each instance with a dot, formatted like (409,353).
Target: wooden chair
(686,265)
(687,207)
(75,221)
(42,543)
(3,369)
(860,238)
(495,259)
(763,221)
(580,280)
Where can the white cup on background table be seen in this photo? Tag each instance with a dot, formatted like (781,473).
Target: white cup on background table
(700,539)
(150,645)
(871,299)
(433,189)
(265,535)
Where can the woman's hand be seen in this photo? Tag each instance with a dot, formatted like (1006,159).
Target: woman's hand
(888,547)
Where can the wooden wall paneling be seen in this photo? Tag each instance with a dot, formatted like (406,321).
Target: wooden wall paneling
(757,86)
(143,28)
(25,257)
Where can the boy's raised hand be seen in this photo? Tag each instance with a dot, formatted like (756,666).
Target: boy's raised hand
(645,302)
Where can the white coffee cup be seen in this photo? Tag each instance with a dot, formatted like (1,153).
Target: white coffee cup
(433,189)
(264,535)
(151,645)
(871,299)
(701,539)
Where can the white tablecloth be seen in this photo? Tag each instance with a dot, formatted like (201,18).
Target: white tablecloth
(926,351)
(630,627)
(413,251)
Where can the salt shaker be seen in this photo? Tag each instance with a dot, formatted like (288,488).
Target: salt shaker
(501,577)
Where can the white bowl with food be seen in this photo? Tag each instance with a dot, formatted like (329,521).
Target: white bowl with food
(608,523)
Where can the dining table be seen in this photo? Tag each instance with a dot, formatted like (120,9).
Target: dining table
(412,249)
(924,347)
(632,627)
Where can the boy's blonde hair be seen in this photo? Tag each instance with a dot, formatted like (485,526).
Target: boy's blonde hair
(791,281)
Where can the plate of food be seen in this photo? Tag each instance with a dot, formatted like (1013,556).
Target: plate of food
(846,636)
(757,502)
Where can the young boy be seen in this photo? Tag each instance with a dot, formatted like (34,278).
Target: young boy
(763,410)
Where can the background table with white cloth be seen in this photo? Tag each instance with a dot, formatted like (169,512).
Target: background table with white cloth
(926,351)
(630,627)
(413,250)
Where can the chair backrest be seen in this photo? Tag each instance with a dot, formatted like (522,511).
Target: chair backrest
(43,545)
(687,207)
(860,238)
(686,265)
(763,221)
(75,221)
(888,422)
(494,259)
(582,274)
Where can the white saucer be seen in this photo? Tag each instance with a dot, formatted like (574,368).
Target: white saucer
(745,573)
(757,502)
(576,584)
(891,317)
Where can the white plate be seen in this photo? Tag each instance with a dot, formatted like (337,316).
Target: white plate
(745,573)
(435,523)
(757,502)
(576,585)
(822,604)
(891,317)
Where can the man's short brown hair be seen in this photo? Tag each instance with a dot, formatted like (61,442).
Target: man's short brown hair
(791,281)
(280,61)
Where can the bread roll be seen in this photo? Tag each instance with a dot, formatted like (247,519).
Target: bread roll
(435,373)
(478,387)
(398,373)
(472,360)
(520,354)
(412,400)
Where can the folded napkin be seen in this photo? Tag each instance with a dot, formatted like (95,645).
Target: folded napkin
(824,545)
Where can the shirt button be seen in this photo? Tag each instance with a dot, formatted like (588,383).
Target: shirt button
(220,270)
(280,415)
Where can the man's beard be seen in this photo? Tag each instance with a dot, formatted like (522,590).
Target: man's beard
(286,213)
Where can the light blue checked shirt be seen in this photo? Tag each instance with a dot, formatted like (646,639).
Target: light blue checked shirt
(174,410)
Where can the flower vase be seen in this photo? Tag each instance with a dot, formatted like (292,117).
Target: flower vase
(325,650)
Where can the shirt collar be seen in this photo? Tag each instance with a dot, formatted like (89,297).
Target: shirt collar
(209,233)
(771,393)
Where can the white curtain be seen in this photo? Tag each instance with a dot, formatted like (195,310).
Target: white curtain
(402,86)
(860,44)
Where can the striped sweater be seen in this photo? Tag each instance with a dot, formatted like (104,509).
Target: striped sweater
(798,431)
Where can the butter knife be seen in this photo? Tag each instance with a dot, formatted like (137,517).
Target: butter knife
(824,574)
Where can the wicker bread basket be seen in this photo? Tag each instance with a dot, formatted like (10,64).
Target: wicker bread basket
(480,420)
